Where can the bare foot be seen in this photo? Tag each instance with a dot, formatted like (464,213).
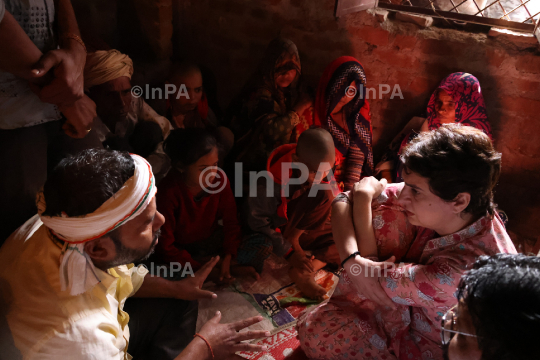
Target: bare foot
(306,283)
(244,271)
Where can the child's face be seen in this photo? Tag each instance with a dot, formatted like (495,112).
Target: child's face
(445,107)
(193,172)
(317,170)
(194,87)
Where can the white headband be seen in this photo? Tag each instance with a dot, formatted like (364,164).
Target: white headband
(127,203)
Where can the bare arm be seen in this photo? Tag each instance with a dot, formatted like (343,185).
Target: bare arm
(67,23)
(425,126)
(196,349)
(298,259)
(188,288)
(357,268)
(343,229)
(18,54)
(155,286)
(292,235)
(63,86)
(67,62)
(363,225)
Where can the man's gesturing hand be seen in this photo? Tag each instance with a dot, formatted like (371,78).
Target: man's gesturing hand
(190,287)
(225,339)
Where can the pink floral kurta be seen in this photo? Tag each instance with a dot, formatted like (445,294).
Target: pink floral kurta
(424,282)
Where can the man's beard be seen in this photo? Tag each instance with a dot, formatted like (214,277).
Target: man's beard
(126,255)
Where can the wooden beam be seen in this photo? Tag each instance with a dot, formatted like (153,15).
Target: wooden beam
(350,6)
(511,25)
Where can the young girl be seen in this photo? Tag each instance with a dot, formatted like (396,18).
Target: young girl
(199,207)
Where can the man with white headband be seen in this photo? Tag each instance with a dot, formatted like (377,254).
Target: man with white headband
(65,278)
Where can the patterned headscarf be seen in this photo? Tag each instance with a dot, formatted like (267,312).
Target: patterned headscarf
(280,55)
(334,83)
(465,90)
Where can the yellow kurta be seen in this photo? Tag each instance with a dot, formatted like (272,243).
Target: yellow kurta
(48,323)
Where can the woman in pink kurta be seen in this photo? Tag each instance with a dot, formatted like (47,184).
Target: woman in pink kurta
(416,291)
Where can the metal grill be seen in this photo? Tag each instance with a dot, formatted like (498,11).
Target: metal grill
(522,15)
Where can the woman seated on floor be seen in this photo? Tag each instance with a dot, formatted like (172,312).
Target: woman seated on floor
(263,116)
(435,225)
(342,109)
(458,99)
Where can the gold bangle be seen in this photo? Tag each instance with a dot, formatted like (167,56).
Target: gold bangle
(76,38)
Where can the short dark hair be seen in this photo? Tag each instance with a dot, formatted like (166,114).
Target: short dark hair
(502,295)
(186,146)
(80,184)
(145,138)
(456,159)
